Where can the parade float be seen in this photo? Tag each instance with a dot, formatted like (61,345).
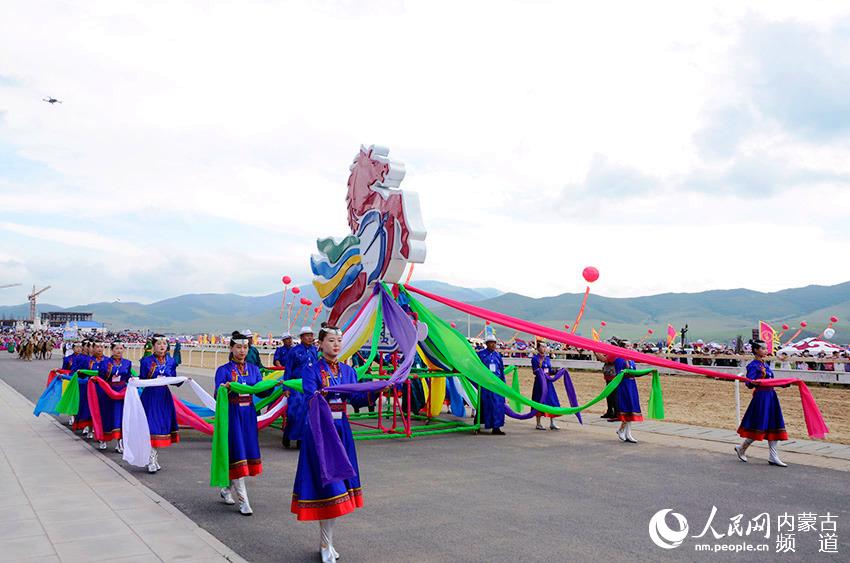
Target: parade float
(408,360)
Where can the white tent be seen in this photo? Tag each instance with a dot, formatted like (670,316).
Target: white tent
(812,345)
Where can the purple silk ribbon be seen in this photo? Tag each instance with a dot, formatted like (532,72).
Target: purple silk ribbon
(543,377)
(403,330)
(334,464)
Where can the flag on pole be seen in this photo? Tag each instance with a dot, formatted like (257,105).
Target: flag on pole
(671,335)
(769,336)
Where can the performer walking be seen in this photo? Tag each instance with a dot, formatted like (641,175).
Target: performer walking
(242,439)
(492,404)
(159,406)
(68,361)
(609,372)
(116,372)
(83,419)
(300,361)
(282,352)
(310,499)
(628,399)
(763,419)
(543,388)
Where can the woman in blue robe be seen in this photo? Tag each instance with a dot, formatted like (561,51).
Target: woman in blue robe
(83,419)
(300,361)
(541,361)
(492,405)
(310,499)
(158,403)
(68,361)
(242,439)
(115,371)
(628,401)
(763,419)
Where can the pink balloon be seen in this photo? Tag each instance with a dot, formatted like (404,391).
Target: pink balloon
(567,327)
(296,290)
(833,319)
(603,323)
(453,325)
(785,327)
(309,302)
(304,300)
(804,324)
(286,279)
(650,331)
(590,274)
(317,309)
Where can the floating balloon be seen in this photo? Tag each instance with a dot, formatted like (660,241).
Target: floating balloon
(304,301)
(804,324)
(650,331)
(308,302)
(590,274)
(785,327)
(603,323)
(567,327)
(487,323)
(317,310)
(833,319)
(286,279)
(453,325)
(296,290)
(829,333)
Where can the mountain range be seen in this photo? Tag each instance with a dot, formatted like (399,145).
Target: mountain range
(710,315)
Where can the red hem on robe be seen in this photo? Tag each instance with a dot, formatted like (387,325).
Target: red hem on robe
(111,435)
(777,434)
(81,424)
(163,441)
(629,417)
(322,509)
(243,468)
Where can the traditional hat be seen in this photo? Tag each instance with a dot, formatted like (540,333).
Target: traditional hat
(286,335)
(305,330)
(248,333)
(490,338)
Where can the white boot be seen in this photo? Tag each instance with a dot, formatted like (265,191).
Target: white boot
(152,465)
(552,425)
(621,433)
(226,495)
(85,433)
(741,449)
(326,528)
(773,458)
(120,446)
(242,495)
(70,421)
(101,445)
(628,432)
(155,453)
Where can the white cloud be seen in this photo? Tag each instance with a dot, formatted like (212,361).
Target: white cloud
(208,124)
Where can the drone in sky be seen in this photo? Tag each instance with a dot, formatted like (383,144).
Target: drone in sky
(52,100)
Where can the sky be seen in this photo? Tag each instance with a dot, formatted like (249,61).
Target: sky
(204,146)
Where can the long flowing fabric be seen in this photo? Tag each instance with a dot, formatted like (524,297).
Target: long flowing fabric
(334,464)
(815,424)
(70,402)
(219,474)
(134,424)
(49,398)
(94,402)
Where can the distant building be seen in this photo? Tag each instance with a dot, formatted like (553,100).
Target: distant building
(59,318)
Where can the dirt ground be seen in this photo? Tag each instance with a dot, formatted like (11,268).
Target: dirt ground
(708,402)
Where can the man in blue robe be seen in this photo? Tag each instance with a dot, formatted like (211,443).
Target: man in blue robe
(492,404)
(281,353)
(300,361)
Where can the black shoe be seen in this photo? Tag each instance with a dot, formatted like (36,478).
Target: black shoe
(286,443)
(297,444)
(498,432)
(607,415)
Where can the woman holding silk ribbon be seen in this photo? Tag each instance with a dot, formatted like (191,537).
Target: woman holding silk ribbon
(157,401)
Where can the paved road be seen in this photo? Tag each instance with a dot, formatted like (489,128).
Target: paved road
(530,496)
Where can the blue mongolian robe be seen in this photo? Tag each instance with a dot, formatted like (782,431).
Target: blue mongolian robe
(83,416)
(628,400)
(545,364)
(280,355)
(242,439)
(116,374)
(68,362)
(159,406)
(763,419)
(300,361)
(492,404)
(311,500)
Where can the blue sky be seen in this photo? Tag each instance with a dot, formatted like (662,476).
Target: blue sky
(204,147)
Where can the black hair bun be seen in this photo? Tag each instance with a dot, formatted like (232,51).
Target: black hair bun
(324,325)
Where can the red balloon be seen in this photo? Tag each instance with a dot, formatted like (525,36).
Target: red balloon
(833,319)
(590,274)
(309,302)
(296,290)
(804,324)
(454,325)
(649,331)
(304,300)
(317,309)
(603,323)
(487,323)
(567,326)
(785,327)
(286,279)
